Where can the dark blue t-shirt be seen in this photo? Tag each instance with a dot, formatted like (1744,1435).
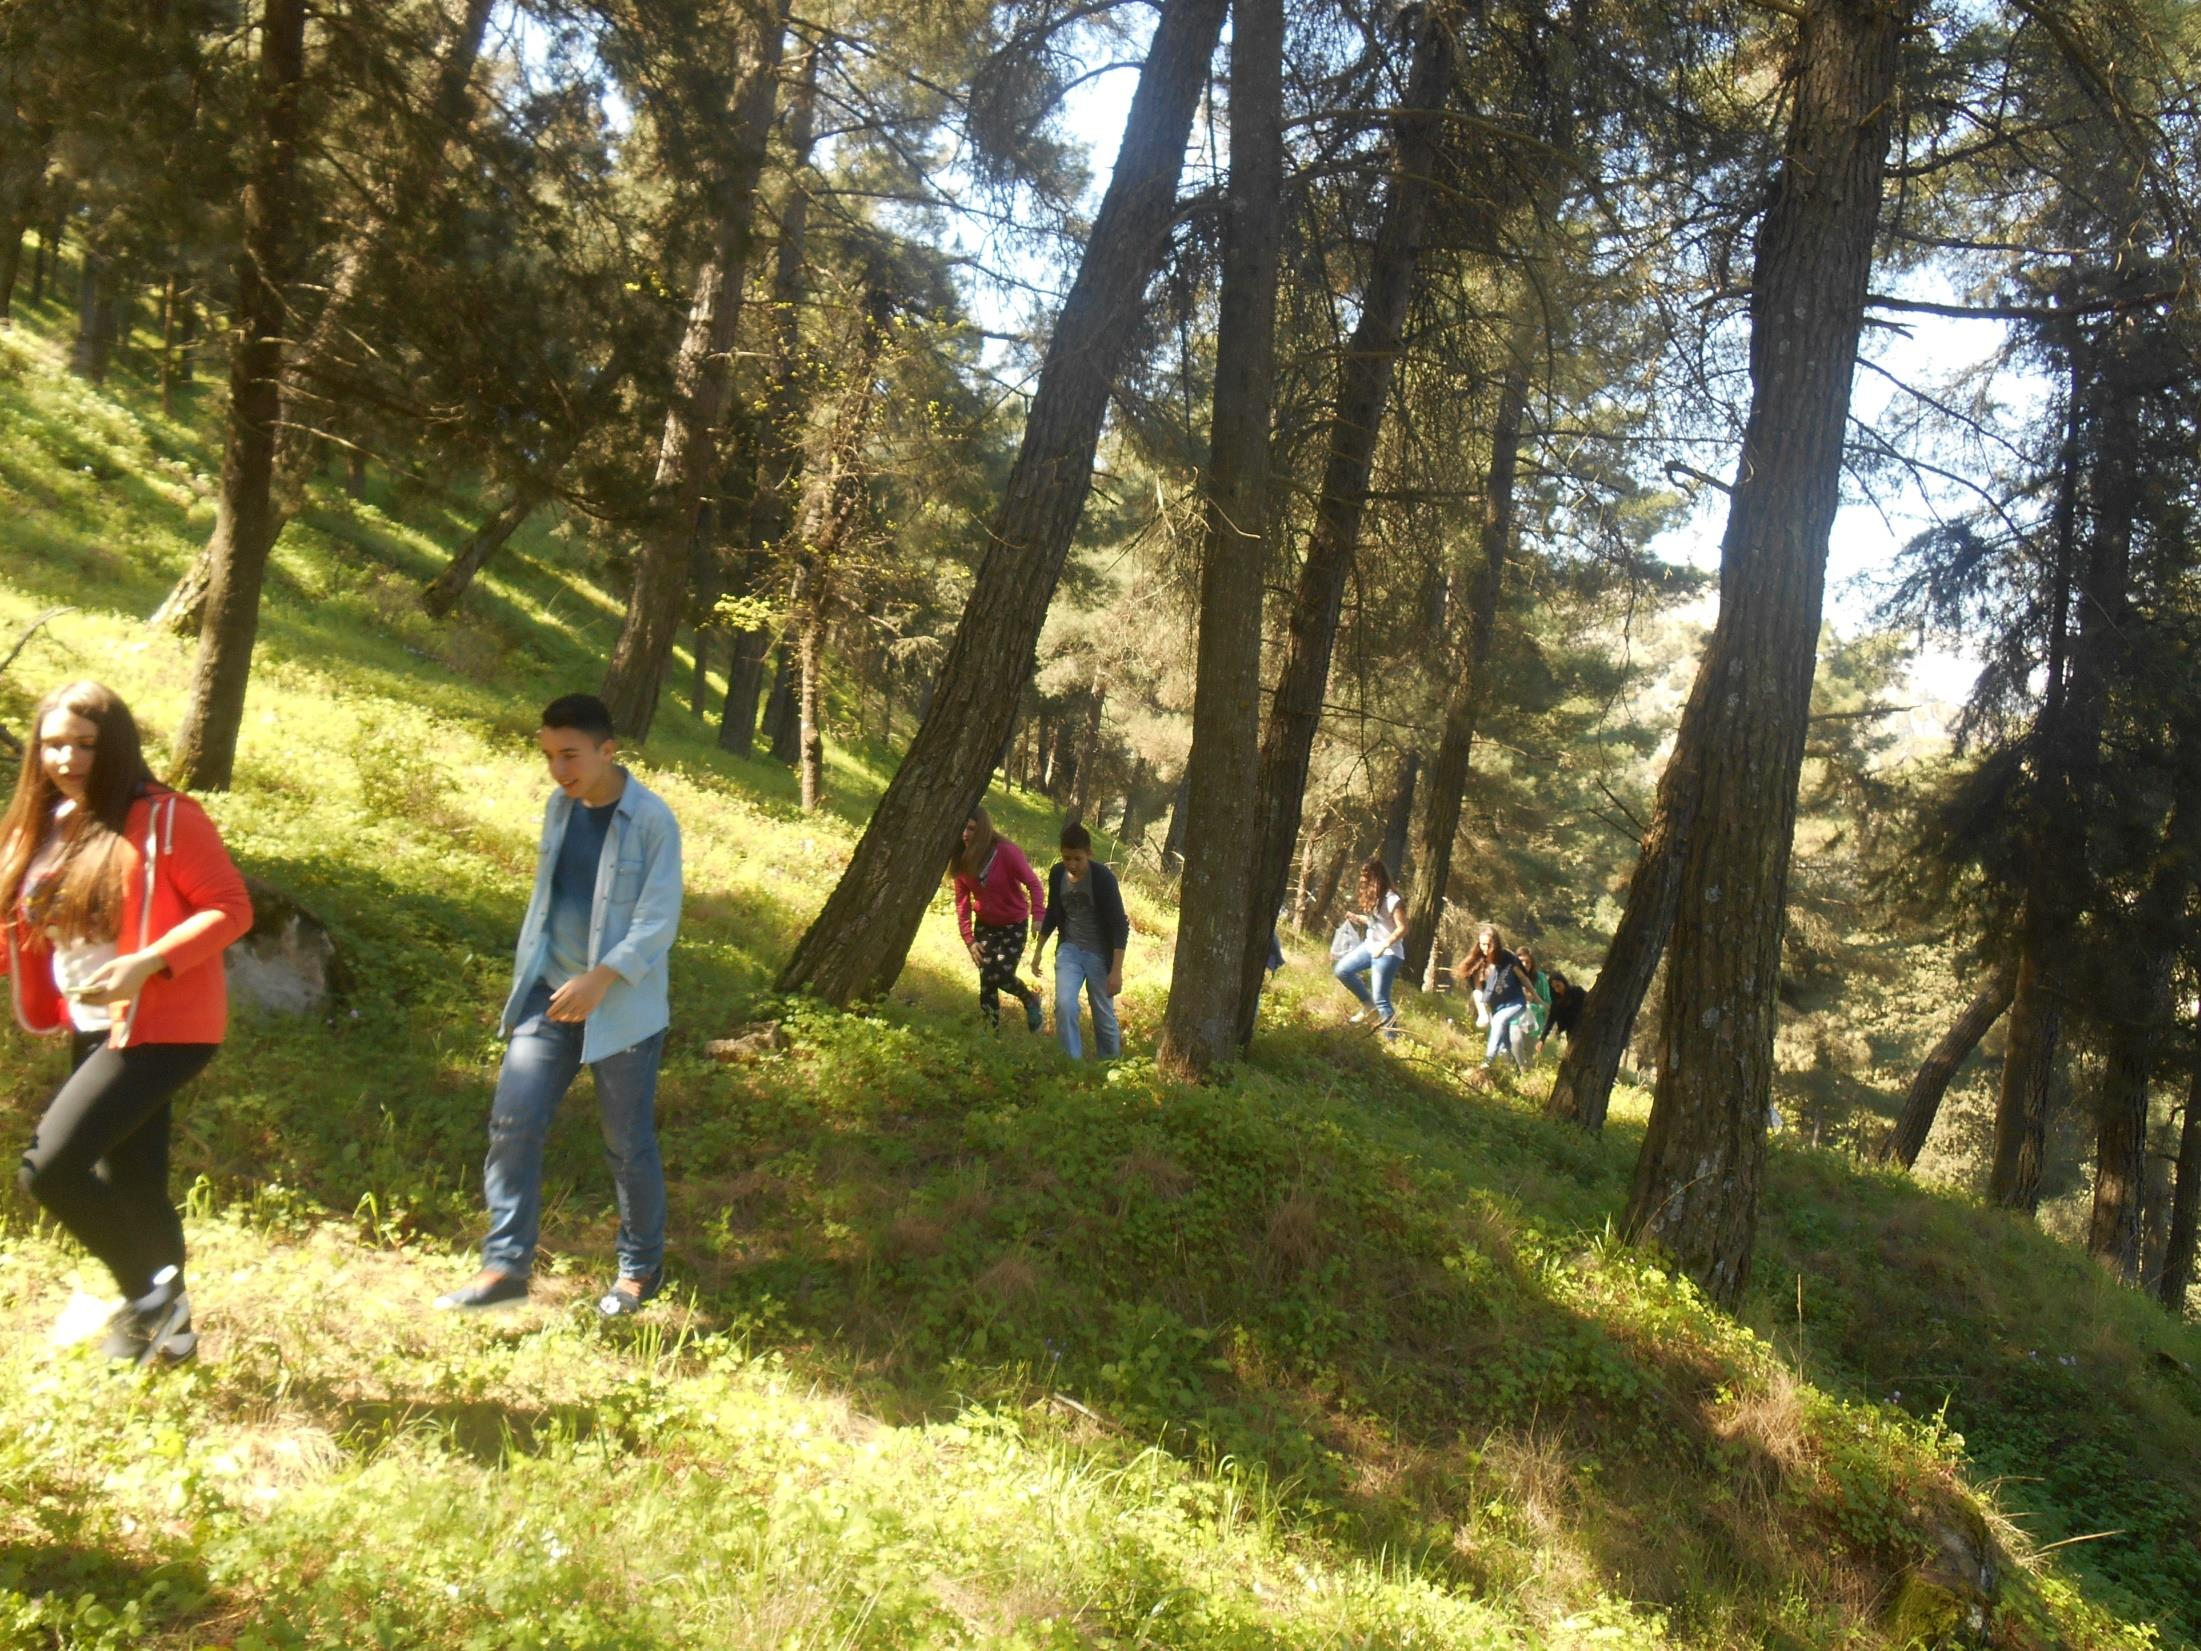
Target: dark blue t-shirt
(573,891)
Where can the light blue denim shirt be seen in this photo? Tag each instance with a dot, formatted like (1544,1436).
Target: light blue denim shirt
(632,921)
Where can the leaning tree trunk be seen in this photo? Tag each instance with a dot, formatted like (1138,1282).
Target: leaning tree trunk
(441,595)
(1922,1104)
(297,435)
(1215,903)
(244,525)
(2071,738)
(2185,1206)
(857,945)
(1438,823)
(1696,1183)
(687,455)
(1398,819)
(781,448)
(1363,392)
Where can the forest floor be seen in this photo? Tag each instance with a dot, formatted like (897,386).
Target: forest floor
(965,1346)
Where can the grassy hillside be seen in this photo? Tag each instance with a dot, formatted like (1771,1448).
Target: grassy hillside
(966,1348)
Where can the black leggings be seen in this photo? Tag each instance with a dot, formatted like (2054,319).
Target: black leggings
(98,1160)
(1000,949)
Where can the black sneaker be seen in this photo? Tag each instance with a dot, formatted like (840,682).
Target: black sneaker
(616,1303)
(154,1328)
(489,1288)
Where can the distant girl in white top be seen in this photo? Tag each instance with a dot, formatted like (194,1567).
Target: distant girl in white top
(1382,954)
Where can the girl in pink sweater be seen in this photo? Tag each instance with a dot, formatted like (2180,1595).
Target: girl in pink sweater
(998,901)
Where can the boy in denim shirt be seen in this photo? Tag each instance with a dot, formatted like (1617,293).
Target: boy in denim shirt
(588,988)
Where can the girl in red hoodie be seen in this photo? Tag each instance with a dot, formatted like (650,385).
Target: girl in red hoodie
(117,898)
(998,901)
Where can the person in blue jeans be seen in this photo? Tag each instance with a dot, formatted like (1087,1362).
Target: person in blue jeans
(1382,954)
(1085,909)
(588,989)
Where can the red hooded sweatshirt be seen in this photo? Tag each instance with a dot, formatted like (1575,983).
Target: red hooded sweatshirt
(181,897)
(1009,894)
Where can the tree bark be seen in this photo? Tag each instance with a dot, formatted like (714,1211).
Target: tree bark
(1438,823)
(1363,392)
(1173,835)
(1922,1103)
(2185,1205)
(297,435)
(1696,1183)
(687,454)
(829,510)
(94,345)
(2070,762)
(2139,1013)
(781,446)
(244,523)
(857,945)
(1215,899)
(782,714)
(1398,820)
(441,595)
(17,214)
(1087,770)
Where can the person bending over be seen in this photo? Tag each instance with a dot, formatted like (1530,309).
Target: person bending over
(997,905)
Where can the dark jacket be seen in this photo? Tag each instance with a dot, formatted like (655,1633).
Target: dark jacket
(1502,987)
(1566,1008)
(1107,904)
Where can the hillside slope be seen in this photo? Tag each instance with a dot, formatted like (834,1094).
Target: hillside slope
(967,1348)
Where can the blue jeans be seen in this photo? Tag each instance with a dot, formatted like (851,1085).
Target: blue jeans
(540,1063)
(1075,967)
(1383,967)
(1501,1034)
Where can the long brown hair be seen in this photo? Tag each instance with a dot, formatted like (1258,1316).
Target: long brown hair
(969,859)
(85,899)
(1373,870)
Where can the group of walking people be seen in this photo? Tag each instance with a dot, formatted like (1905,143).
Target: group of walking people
(1517,1002)
(117,899)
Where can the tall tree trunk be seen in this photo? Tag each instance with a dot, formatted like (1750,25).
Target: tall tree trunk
(1438,823)
(687,455)
(829,511)
(1922,1103)
(1582,1092)
(782,712)
(2070,735)
(20,188)
(2139,1013)
(297,436)
(780,446)
(94,345)
(170,308)
(1173,838)
(1215,901)
(2185,1207)
(856,946)
(244,525)
(1363,393)
(1398,819)
(1696,1183)
(1325,890)
(1087,773)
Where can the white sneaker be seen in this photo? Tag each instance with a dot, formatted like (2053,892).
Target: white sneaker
(1359,1017)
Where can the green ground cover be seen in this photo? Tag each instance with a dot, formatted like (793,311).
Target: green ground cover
(966,1347)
